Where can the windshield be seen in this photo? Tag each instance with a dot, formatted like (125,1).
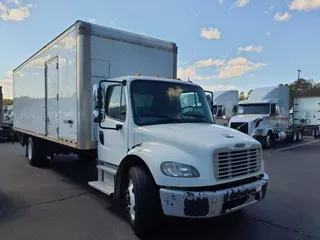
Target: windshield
(157,102)
(254,109)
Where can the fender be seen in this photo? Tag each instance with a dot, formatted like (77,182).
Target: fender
(153,154)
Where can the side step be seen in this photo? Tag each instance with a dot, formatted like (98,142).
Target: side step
(102,187)
(106,176)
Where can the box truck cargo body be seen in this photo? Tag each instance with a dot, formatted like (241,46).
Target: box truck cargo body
(53,88)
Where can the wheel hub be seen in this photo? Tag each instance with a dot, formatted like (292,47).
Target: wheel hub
(29,152)
(268,140)
(131,200)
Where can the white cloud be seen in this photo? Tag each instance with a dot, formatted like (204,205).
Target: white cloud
(250,48)
(269,9)
(8,74)
(282,17)
(6,88)
(241,3)
(210,33)
(221,1)
(304,5)
(210,62)
(92,20)
(267,33)
(237,67)
(17,13)
(233,68)
(214,88)
(191,72)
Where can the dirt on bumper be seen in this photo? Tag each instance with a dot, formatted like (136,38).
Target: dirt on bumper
(208,204)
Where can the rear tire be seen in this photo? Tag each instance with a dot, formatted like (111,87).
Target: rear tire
(294,137)
(35,154)
(317,133)
(314,132)
(141,199)
(299,136)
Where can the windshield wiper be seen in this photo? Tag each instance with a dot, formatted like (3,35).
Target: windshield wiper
(199,116)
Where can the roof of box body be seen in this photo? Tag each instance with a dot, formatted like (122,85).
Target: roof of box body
(116,34)
(111,33)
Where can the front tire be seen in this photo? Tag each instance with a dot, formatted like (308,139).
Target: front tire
(141,199)
(268,141)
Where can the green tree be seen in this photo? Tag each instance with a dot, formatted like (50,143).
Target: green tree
(242,96)
(7,101)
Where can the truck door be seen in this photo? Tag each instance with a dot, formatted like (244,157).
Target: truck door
(113,131)
(52,98)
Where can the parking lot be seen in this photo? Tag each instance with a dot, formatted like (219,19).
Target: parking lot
(56,203)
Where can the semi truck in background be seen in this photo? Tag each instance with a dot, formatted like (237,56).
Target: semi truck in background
(307,109)
(97,92)
(265,116)
(223,105)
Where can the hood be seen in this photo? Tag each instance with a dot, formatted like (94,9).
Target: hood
(246,117)
(188,136)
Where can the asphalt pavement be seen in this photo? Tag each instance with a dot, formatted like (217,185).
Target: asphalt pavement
(57,203)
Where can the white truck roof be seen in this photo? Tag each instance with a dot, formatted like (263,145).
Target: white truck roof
(130,78)
(268,95)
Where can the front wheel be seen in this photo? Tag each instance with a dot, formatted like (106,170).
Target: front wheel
(141,200)
(268,141)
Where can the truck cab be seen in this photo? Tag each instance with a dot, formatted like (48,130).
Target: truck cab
(160,152)
(265,116)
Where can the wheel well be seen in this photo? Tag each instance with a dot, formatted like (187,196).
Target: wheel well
(123,171)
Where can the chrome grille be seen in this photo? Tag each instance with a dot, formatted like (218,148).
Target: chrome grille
(233,164)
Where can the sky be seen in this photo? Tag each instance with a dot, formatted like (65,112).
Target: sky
(223,44)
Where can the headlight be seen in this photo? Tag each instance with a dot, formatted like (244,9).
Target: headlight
(174,169)
(258,132)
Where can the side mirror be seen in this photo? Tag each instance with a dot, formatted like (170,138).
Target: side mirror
(98,100)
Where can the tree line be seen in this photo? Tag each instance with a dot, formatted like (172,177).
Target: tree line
(299,88)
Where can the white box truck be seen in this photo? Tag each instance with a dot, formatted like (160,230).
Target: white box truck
(265,116)
(156,152)
(223,105)
(307,110)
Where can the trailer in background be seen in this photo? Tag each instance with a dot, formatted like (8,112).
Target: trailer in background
(223,105)
(307,109)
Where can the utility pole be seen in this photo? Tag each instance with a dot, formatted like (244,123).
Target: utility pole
(299,74)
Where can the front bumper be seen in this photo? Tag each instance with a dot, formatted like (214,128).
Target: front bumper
(190,204)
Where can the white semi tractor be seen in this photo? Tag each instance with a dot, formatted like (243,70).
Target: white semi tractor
(155,152)
(223,105)
(307,109)
(265,116)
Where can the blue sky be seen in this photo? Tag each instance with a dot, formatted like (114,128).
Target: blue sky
(228,44)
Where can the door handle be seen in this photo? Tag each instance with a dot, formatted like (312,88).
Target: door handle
(118,127)
(68,121)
